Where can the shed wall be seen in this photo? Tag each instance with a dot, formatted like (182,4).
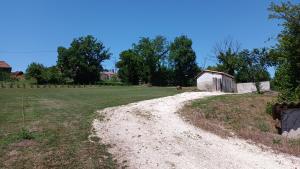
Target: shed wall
(205,81)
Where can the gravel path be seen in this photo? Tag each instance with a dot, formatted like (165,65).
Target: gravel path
(150,135)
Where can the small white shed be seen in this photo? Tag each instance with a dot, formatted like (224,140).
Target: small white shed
(209,80)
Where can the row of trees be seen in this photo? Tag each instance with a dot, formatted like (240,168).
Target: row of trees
(79,64)
(252,65)
(152,61)
(158,62)
(245,65)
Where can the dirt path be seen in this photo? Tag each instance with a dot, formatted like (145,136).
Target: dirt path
(150,134)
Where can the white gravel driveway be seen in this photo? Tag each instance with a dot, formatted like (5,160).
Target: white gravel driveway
(150,135)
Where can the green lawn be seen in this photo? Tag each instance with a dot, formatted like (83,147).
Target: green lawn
(59,120)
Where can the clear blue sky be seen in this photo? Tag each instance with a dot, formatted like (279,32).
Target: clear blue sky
(32,30)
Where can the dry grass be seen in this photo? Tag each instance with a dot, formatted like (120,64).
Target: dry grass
(57,124)
(240,115)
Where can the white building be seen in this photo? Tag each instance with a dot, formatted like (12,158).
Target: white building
(209,80)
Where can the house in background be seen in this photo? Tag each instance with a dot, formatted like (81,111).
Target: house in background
(109,75)
(209,80)
(18,75)
(4,67)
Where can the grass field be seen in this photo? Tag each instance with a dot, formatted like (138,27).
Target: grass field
(56,123)
(244,115)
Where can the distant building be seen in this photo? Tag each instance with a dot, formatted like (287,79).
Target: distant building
(4,67)
(108,75)
(18,75)
(209,80)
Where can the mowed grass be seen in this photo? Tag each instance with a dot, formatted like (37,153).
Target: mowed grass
(58,121)
(244,115)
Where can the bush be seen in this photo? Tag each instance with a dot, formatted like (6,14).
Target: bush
(25,134)
(5,76)
(269,108)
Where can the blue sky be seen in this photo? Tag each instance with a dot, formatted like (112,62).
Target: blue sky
(32,30)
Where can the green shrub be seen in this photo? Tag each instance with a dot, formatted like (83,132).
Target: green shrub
(25,134)
(269,108)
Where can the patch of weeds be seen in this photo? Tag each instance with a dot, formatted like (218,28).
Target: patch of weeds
(210,113)
(262,126)
(276,141)
(25,134)
(226,118)
(269,108)
(294,142)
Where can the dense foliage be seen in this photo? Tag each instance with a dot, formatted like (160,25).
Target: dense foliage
(81,62)
(286,53)
(183,61)
(43,74)
(155,62)
(252,66)
(131,66)
(245,65)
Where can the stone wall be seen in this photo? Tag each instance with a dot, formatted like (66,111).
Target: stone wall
(250,87)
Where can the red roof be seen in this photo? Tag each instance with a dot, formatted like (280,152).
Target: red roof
(3,64)
(214,72)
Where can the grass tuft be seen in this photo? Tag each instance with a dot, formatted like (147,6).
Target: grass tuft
(25,134)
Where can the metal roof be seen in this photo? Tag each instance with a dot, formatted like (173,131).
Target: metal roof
(214,72)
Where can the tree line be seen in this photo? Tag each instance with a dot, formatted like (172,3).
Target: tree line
(159,62)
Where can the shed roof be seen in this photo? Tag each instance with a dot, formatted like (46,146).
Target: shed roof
(214,72)
(3,64)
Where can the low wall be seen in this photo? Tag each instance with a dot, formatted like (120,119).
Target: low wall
(250,87)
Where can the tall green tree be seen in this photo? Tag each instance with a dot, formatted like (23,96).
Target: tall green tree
(154,53)
(287,52)
(130,67)
(37,71)
(82,60)
(253,67)
(227,52)
(183,60)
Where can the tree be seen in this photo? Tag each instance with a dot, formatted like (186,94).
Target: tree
(287,52)
(154,53)
(82,60)
(183,61)
(36,71)
(54,76)
(130,67)
(226,53)
(145,62)
(253,67)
